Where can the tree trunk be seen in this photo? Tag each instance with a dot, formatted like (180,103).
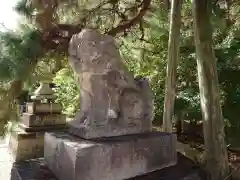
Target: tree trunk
(213,124)
(6,104)
(173,58)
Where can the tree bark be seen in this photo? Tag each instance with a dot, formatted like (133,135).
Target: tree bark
(173,58)
(213,124)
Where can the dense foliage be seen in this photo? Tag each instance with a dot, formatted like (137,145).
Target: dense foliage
(67,91)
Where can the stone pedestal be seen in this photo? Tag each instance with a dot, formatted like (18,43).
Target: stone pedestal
(27,141)
(114,158)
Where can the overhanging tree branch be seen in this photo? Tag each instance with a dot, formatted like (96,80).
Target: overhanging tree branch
(58,37)
(127,25)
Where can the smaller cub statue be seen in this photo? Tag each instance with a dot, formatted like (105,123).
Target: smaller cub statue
(112,101)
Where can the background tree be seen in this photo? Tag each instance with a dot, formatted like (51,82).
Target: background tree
(173,58)
(213,124)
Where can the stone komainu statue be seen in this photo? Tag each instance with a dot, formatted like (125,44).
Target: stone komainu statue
(113,102)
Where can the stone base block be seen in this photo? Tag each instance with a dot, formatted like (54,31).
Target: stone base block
(115,158)
(25,145)
(37,107)
(42,119)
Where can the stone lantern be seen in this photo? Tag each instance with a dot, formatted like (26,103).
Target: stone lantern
(42,115)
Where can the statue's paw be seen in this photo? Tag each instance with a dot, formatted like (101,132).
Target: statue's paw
(112,114)
(85,122)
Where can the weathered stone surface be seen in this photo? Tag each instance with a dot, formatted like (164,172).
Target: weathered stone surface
(42,119)
(37,107)
(114,158)
(25,145)
(113,102)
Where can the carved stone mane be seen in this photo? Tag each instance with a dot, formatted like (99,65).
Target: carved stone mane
(112,102)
